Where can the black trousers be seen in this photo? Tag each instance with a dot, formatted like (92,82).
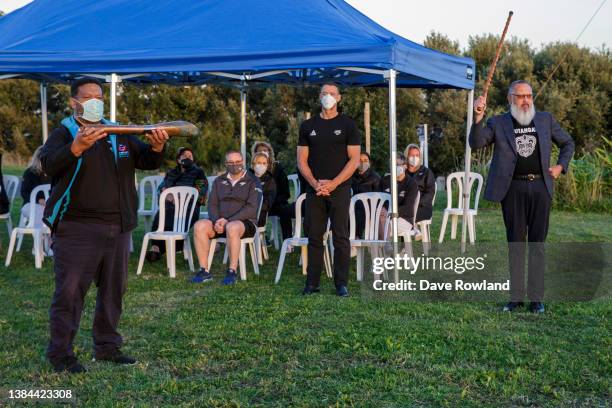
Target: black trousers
(526,210)
(285,213)
(318,210)
(86,253)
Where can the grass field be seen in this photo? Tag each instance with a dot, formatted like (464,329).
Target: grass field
(257,344)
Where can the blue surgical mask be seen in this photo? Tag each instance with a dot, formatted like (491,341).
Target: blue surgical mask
(93,110)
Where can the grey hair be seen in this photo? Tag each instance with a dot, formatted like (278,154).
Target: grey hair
(517,82)
(412,146)
(35,164)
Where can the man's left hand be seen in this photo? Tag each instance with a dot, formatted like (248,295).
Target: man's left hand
(555,171)
(157,138)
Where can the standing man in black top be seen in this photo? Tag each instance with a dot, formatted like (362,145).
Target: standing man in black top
(521,177)
(327,156)
(91,213)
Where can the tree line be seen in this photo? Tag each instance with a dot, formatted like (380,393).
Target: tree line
(578,95)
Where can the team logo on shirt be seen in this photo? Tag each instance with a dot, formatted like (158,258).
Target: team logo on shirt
(525,145)
(123,151)
(337,132)
(313,133)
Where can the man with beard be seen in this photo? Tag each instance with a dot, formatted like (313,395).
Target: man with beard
(521,178)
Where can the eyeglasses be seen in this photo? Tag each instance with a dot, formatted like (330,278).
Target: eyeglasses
(233,163)
(523,96)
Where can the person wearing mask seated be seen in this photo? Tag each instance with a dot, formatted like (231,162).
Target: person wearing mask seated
(280,207)
(232,209)
(33,177)
(260,163)
(365,180)
(407,191)
(425,180)
(185,174)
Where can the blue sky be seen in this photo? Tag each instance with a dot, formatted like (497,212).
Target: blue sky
(539,21)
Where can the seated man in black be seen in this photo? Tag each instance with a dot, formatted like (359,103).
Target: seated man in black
(425,180)
(365,180)
(232,209)
(407,191)
(185,174)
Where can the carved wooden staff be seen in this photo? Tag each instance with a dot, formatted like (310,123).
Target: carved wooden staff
(487,84)
(174,129)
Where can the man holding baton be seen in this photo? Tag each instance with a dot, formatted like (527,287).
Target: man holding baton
(521,177)
(91,213)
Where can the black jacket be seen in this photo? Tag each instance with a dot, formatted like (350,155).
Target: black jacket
(366,182)
(191,177)
(499,130)
(407,191)
(29,182)
(268,186)
(282,185)
(426,182)
(77,183)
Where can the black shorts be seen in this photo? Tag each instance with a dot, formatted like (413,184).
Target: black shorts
(249,230)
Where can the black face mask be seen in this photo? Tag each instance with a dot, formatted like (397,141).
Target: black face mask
(233,169)
(187,163)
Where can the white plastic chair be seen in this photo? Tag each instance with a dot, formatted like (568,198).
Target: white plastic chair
(30,227)
(373,203)
(457,211)
(11,184)
(276,233)
(203,212)
(425,225)
(297,188)
(302,242)
(148,187)
(262,255)
(184,199)
(253,243)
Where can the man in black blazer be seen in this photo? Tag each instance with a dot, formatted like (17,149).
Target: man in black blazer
(521,178)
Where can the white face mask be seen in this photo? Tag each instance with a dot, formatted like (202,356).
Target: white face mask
(93,110)
(260,169)
(363,167)
(328,101)
(399,170)
(414,161)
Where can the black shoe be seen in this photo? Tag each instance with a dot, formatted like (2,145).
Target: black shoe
(68,364)
(536,307)
(116,357)
(510,306)
(153,256)
(342,291)
(309,290)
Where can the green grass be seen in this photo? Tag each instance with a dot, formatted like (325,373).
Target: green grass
(260,344)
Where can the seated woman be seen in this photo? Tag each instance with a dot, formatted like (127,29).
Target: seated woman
(280,207)
(260,164)
(407,192)
(365,180)
(33,177)
(187,174)
(426,182)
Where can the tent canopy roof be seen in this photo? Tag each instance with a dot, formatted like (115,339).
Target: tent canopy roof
(191,42)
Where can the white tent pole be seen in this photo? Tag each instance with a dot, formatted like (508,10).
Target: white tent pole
(393,148)
(113,97)
(243,122)
(467,169)
(43,110)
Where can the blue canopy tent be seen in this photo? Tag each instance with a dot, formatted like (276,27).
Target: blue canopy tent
(232,42)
